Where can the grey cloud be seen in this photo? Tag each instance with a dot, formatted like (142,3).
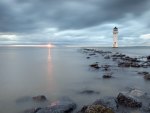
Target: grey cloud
(87,18)
(65,14)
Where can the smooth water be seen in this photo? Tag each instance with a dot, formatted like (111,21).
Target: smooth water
(58,72)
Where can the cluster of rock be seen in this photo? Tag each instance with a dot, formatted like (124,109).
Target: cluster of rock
(125,101)
(122,59)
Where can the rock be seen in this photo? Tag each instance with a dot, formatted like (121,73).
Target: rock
(147,76)
(64,105)
(107,76)
(128,101)
(124,64)
(148,57)
(39,98)
(83,109)
(34,110)
(98,109)
(88,57)
(107,57)
(89,92)
(92,54)
(143,73)
(96,66)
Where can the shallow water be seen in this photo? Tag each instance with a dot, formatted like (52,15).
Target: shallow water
(58,72)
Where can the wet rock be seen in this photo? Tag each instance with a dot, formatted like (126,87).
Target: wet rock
(39,98)
(88,57)
(83,109)
(147,76)
(124,64)
(135,65)
(95,66)
(89,92)
(107,57)
(148,57)
(64,105)
(128,101)
(143,73)
(92,54)
(107,76)
(98,109)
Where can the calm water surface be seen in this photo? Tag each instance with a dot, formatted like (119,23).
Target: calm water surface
(58,72)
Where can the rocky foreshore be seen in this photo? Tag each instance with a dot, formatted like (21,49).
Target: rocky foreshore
(124,102)
(131,100)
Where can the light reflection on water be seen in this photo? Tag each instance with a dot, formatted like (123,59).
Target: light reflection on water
(57,72)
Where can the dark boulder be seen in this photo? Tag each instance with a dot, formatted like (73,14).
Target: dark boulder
(148,57)
(128,101)
(124,64)
(107,76)
(143,73)
(39,98)
(89,92)
(95,66)
(147,76)
(107,57)
(88,57)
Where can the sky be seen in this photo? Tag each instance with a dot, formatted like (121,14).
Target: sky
(75,22)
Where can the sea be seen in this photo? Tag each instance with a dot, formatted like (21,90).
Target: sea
(61,72)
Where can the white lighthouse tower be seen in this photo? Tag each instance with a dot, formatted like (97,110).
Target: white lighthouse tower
(115,37)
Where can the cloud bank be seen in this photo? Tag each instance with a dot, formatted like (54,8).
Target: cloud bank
(74,22)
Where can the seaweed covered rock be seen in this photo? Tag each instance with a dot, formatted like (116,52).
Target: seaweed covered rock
(95,109)
(98,109)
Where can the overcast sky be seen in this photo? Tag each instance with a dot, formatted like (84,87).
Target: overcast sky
(74,22)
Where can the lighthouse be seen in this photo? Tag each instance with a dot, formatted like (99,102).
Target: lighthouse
(115,37)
